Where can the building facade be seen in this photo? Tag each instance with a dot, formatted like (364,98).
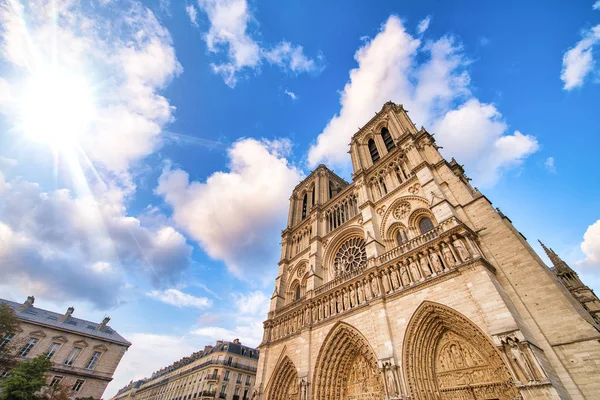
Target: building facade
(85,354)
(407,283)
(226,370)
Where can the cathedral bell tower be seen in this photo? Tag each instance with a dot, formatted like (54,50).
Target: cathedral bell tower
(407,283)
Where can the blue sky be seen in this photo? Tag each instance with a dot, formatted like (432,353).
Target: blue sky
(148,150)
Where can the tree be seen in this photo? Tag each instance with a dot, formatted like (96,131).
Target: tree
(26,379)
(9,325)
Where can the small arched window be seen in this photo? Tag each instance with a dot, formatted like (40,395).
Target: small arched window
(297,292)
(401,237)
(425,225)
(304,205)
(387,139)
(313,196)
(373,151)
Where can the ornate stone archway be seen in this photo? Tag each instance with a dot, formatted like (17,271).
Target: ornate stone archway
(446,356)
(346,367)
(284,382)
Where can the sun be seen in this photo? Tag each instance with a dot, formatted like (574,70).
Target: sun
(56,108)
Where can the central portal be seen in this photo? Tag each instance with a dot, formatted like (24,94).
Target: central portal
(347,368)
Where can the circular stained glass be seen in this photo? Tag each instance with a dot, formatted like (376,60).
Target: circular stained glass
(350,255)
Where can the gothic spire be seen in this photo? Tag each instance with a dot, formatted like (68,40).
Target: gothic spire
(559,265)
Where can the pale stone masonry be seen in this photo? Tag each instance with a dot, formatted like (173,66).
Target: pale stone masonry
(408,283)
(85,354)
(226,370)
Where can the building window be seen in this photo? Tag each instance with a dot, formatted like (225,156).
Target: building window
(52,349)
(239,378)
(226,376)
(313,196)
(6,339)
(93,360)
(387,139)
(237,391)
(72,356)
(247,379)
(401,237)
(297,292)
(373,151)
(28,346)
(425,225)
(78,384)
(56,380)
(304,205)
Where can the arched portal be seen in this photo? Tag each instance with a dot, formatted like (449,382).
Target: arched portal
(446,356)
(284,382)
(346,367)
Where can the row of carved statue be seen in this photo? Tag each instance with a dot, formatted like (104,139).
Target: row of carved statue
(437,259)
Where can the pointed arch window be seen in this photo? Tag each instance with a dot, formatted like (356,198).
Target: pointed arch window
(401,237)
(313,196)
(425,225)
(373,151)
(387,139)
(304,205)
(297,296)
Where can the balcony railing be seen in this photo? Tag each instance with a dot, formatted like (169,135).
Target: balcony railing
(212,377)
(434,254)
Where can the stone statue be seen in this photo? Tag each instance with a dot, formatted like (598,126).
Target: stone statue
(375,286)
(404,276)
(345,299)
(386,281)
(435,261)
(448,256)
(414,271)
(426,272)
(395,279)
(368,294)
(361,293)
(340,306)
(520,360)
(460,248)
(303,389)
(352,296)
(391,381)
(332,305)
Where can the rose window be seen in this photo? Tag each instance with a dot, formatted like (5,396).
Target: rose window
(402,210)
(352,254)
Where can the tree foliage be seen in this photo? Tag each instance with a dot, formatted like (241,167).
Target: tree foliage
(26,379)
(9,325)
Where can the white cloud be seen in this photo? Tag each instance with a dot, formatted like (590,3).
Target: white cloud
(578,62)
(192,13)
(52,239)
(236,216)
(437,93)
(591,245)
(291,94)
(229,30)
(251,311)
(423,25)
(549,164)
(122,50)
(596,5)
(178,298)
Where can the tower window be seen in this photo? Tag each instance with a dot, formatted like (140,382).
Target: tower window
(313,196)
(387,139)
(425,225)
(304,205)
(373,151)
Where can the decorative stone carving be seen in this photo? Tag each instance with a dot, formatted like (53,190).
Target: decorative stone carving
(301,270)
(284,383)
(351,254)
(402,210)
(414,189)
(391,382)
(460,248)
(523,362)
(381,210)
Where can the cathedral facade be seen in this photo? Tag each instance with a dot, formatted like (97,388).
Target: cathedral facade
(407,284)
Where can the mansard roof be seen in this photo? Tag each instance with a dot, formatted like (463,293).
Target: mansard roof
(50,318)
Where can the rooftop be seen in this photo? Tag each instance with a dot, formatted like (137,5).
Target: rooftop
(29,313)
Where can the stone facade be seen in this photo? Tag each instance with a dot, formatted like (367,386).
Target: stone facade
(85,354)
(224,371)
(407,283)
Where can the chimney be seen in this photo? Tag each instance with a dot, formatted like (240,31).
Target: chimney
(68,314)
(103,324)
(236,341)
(207,348)
(28,303)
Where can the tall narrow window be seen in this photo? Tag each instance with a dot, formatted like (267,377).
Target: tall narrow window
(27,347)
(313,196)
(52,349)
(401,237)
(56,380)
(6,339)
(425,225)
(304,205)
(78,384)
(330,190)
(297,292)
(387,139)
(72,356)
(373,151)
(93,360)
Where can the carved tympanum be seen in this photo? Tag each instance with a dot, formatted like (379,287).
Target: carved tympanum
(284,382)
(350,255)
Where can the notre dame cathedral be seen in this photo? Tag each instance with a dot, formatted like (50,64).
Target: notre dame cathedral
(408,284)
